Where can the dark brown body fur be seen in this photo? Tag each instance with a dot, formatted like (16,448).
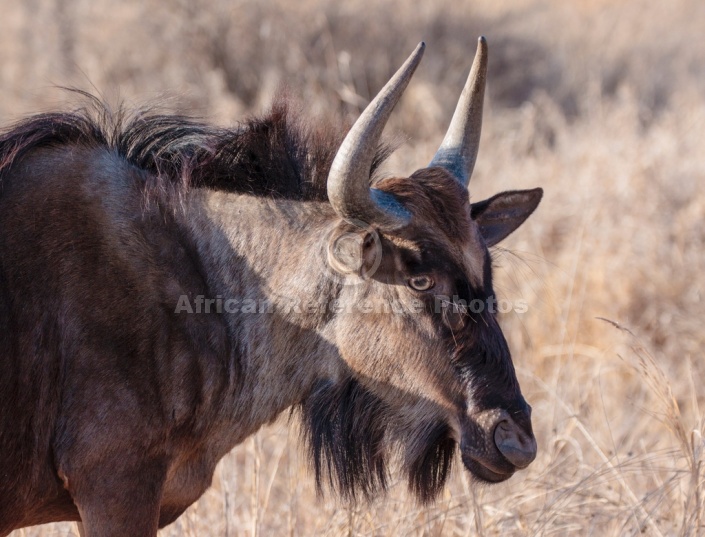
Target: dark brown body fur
(95,366)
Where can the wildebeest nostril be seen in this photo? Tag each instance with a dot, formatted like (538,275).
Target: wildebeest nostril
(518,446)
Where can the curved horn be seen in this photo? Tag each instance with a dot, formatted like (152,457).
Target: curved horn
(348,185)
(458,151)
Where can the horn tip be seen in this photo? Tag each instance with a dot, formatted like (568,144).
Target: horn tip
(482,48)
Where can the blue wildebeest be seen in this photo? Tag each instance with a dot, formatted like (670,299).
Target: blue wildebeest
(161,284)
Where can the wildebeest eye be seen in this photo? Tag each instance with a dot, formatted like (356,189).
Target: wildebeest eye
(421,283)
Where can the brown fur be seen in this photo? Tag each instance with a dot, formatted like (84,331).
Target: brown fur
(115,409)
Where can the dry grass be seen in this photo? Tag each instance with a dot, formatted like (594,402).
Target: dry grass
(601,103)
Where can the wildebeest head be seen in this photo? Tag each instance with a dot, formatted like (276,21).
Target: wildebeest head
(427,366)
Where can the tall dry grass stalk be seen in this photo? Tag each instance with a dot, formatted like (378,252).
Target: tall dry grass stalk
(601,103)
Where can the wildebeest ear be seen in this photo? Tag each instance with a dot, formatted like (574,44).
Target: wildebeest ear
(354,252)
(501,214)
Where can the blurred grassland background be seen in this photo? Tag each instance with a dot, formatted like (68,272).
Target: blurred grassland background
(602,103)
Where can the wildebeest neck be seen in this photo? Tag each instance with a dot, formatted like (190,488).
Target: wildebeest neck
(264,267)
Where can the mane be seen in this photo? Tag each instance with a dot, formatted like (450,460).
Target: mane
(279,154)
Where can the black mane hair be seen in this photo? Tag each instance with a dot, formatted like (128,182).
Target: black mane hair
(279,154)
(350,435)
